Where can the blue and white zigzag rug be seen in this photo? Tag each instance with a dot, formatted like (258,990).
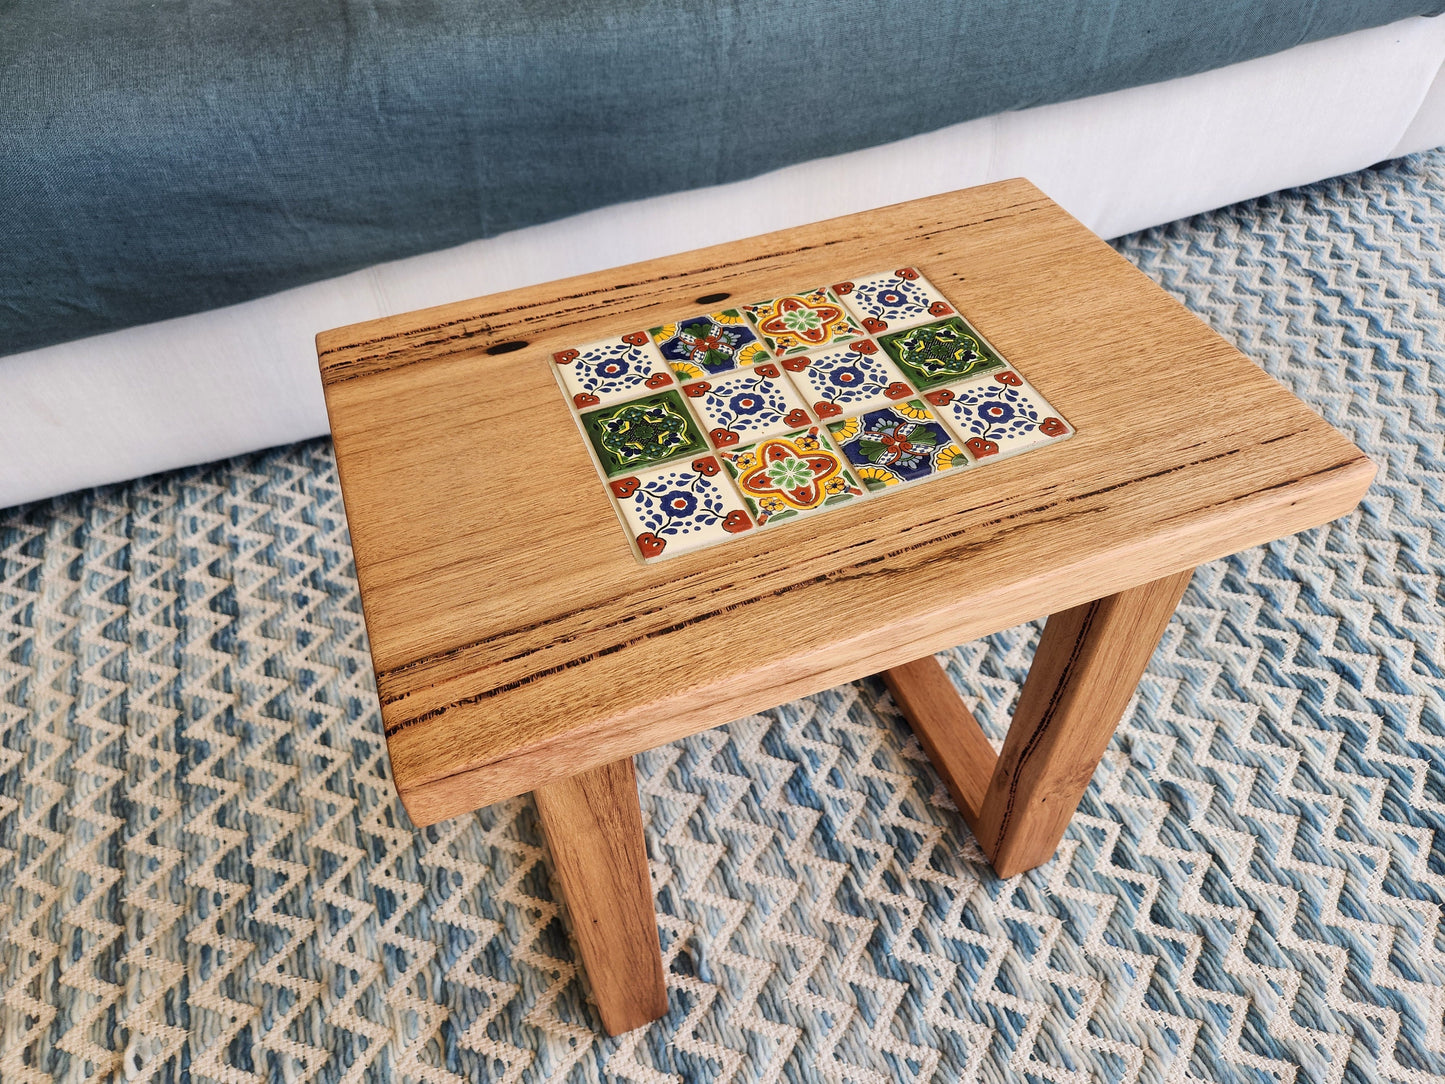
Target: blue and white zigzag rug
(204,874)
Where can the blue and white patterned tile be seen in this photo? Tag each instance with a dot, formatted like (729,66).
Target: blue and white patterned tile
(893,300)
(897,444)
(680,507)
(847,379)
(999,415)
(611,370)
(747,405)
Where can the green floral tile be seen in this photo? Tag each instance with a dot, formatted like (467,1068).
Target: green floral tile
(801,322)
(787,476)
(641,432)
(941,353)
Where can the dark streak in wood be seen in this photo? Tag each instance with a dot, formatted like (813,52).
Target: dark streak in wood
(849,572)
(406,342)
(1046,718)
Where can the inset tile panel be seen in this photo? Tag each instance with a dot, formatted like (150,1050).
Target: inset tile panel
(610,370)
(934,354)
(706,345)
(903,443)
(998,415)
(847,379)
(892,300)
(790,475)
(680,506)
(798,323)
(639,433)
(746,405)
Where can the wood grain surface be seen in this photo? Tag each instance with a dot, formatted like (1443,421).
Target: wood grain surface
(593,827)
(1088,663)
(516,640)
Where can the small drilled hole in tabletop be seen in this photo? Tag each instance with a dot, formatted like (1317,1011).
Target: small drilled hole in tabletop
(712,299)
(507,348)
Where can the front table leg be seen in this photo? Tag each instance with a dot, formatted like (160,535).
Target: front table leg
(593,825)
(1088,663)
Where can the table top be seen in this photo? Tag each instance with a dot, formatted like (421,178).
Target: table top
(518,639)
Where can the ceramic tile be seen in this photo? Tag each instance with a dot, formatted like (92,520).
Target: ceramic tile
(892,300)
(680,506)
(706,345)
(847,379)
(903,443)
(790,475)
(747,405)
(636,434)
(998,415)
(801,322)
(611,370)
(941,353)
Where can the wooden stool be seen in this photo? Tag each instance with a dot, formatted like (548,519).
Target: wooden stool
(520,644)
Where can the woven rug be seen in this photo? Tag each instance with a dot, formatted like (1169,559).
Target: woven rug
(204,874)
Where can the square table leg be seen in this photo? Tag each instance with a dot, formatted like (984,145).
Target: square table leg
(1088,663)
(593,825)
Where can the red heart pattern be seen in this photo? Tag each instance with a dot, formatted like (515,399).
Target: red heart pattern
(797,416)
(795,365)
(938,308)
(874,325)
(906,273)
(1013,380)
(585,399)
(637,338)
(736,522)
(980,447)
(941,397)
(842,288)
(723,437)
(1053,427)
(659,380)
(696,391)
(650,544)
(706,466)
(898,390)
(865,346)
(565,357)
(768,370)
(825,409)
(625,487)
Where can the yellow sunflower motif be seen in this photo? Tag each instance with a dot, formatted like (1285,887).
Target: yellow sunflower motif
(834,486)
(752,353)
(877,477)
(951,456)
(846,431)
(772,504)
(661,334)
(807,442)
(744,461)
(914,409)
(687,370)
(727,316)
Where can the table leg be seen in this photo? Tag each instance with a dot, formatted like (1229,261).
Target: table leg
(593,826)
(1088,663)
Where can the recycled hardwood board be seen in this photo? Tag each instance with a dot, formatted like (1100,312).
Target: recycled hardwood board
(950,735)
(1088,663)
(593,827)
(518,642)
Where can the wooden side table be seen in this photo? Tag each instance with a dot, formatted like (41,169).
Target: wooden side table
(520,644)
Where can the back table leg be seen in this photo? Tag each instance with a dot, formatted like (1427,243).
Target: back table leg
(593,826)
(1088,663)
